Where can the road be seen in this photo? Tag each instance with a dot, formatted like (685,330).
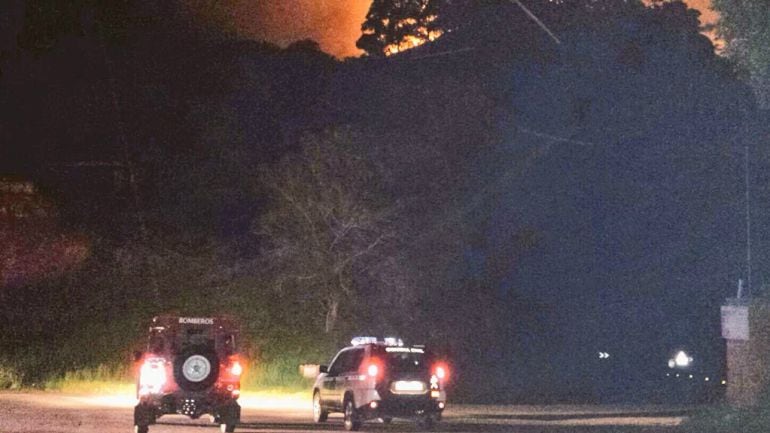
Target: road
(60,413)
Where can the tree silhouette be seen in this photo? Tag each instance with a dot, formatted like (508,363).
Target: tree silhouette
(394,26)
(329,230)
(745,26)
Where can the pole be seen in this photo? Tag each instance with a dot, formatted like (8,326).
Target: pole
(746,170)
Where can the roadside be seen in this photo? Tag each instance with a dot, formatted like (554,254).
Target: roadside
(74,409)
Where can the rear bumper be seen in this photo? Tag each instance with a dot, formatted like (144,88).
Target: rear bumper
(192,404)
(402,406)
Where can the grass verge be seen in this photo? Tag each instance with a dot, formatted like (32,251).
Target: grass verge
(725,419)
(275,378)
(10,378)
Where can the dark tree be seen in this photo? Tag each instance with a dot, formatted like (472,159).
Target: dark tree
(394,26)
(745,26)
(329,231)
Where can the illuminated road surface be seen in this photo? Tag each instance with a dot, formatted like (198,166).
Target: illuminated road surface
(58,413)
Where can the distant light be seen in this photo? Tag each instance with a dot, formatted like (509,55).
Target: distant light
(724,382)
(374,404)
(691,376)
(671,363)
(706,379)
(682,359)
(441,405)
(440,372)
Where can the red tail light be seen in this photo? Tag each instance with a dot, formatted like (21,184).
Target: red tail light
(235,368)
(441,371)
(373,368)
(152,376)
(232,370)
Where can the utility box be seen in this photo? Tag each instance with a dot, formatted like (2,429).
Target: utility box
(735,322)
(746,329)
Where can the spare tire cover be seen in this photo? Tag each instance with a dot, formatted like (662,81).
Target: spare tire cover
(196,368)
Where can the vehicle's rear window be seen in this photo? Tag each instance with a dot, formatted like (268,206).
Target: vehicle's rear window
(197,337)
(406,362)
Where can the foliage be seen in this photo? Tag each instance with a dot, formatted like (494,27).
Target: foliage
(118,291)
(10,377)
(485,187)
(745,27)
(393,26)
(592,166)
(102,379)
(32,245)
(329,230)
(277,366)
(725,419)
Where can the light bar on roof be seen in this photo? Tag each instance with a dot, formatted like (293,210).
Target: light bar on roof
(393,341)
(363,340)
(387,341)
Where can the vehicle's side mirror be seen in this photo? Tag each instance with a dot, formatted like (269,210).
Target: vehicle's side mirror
(323,368)
(138,355)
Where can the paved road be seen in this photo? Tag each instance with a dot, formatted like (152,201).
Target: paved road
(57,413)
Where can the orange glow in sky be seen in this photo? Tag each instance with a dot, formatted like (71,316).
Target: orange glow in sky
(707,17)
(704,7)
(334,24)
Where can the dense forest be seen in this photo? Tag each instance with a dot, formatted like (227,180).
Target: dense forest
(507,195)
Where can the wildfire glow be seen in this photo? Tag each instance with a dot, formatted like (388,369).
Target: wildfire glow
(412,41)
(334,24)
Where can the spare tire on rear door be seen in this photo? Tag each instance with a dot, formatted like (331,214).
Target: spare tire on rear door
(196,368)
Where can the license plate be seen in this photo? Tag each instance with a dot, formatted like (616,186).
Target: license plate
(409,386)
